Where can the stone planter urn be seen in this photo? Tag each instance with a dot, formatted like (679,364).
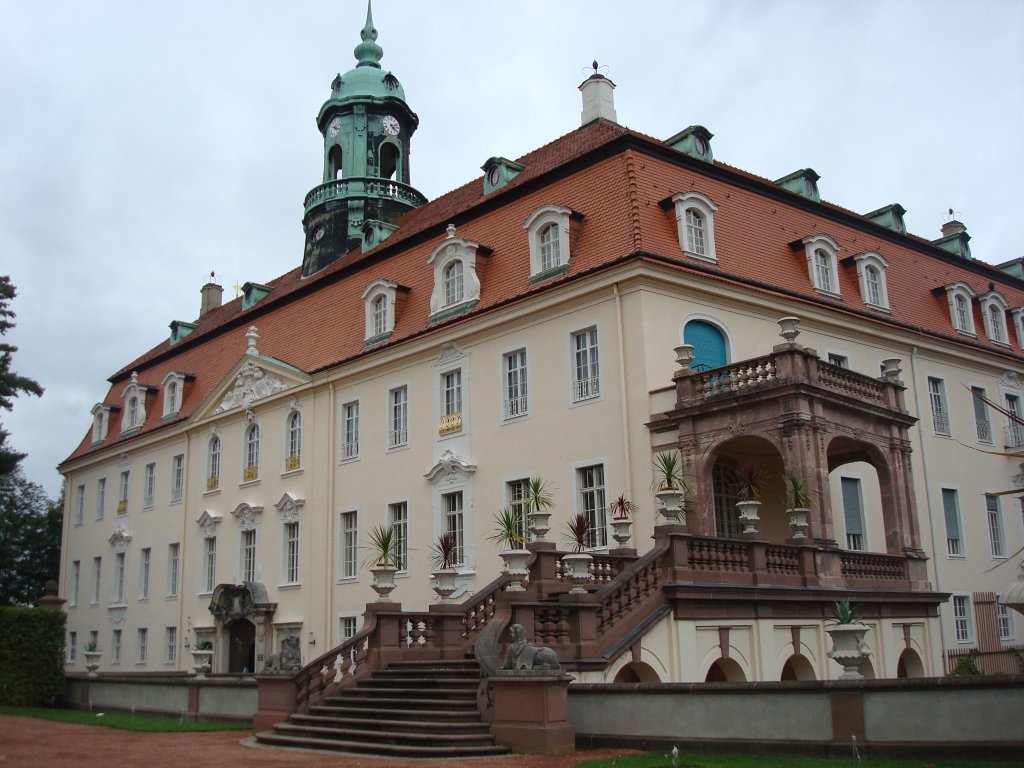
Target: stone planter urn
(444,582)
(577,570)
(749,515)
(798,522)
(515,567)
(383,581)
(539,524)
(671,504)
(92,661)
(849,648)
(202,661)
(620,531)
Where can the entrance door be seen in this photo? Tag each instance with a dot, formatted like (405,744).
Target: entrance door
(242,647)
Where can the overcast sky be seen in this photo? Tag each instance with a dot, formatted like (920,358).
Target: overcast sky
(144,144)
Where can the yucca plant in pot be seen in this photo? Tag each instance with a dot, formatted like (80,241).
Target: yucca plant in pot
(670,488)
(443,558)
(749,482)
(386,558)
(538,502)
(848,646)
(577,562)
(799,495)
(508,535)
(621,512)
(202,657)
(92,655)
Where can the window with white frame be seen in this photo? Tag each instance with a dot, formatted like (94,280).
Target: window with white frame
(995,526)
(962,624)
(1014,421)
(249,555)
(456,283)
(173,564)
(79,504)
(117,588)
(1004,622)
(454,289)
(76,577)
(586,382)
(213,464)
(590,483)
(695,225)
(72,647)
(951,513)
(145,563)
(177,477)
(347,627)
(871,271)
(149,486)
(349,531)
(122,492)
(548,234)
(293,430)
(134,398)
(101,497)
(94,638)
(982,425)
(251,471)
(143,645)
(937,400)
(170,644)
(822,254)
(454,524)
(379,315)
(350,430)
(515,400)
(842,361)
(209,574)
(1017,316)
(291,552)
(516,495)
(115,647)
(398,518)
(380,302)
(97,574)
(451,402)
(398,417)
(853,512)
(959,296)
(100,422)
(174,388)
(993,314)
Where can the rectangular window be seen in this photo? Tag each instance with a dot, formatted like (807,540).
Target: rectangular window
(171,637)
(951,511)
(590,481)
(249,555)
(177,477)
(586,381)
(516,493)
(143,642)
(346,628)
(398,516)
(853,513)
(101,497)
(149,486)
(76,577)
(839,360)
(937,398)
(94,638)
(122,493)
(97,568)
(1004,621)
(72,647)
(79,504)
(995,526)
(982,426)
(209,563)
(115,647)
(117,593)
(398,434)
(291,552)
(144,563)
(350,419)
(173,556)
(515,384)
(349,545)
(962,618)
(453,524)
(1015,423)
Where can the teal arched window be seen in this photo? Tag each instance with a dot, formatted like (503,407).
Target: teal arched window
(709,349)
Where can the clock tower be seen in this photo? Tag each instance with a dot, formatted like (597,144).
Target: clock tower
(366,126)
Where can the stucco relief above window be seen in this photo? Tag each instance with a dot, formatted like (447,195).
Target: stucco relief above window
(456,283)
(208,522)
(251,384)
(289,507)
(247,515)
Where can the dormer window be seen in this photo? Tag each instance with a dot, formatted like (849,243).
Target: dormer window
(173,387)
(453,286)
(871,274)
(135,404)
(379,315)
(822,252)
(993,313)
(548,230)
(1018,324)
(381,300)
(100,422)
(695,225)
(456,284)
(959,295)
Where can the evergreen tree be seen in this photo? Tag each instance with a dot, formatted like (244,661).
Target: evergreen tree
(11,384)
(30,529)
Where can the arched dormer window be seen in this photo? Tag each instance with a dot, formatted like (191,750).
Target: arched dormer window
(134,404)
(213,464)
(100,422)
(871,271)
(822,258)
(456,284)
(173,387)
(993,313)
(695,225)
(548,229)
(251,471)
(382,300)
(960,312)
(293,434)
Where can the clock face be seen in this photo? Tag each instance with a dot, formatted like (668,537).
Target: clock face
(391,125)
(334,127)
(702,148)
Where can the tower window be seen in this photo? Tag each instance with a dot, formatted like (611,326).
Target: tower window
(390,157)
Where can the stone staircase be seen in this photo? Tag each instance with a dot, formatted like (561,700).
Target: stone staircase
(410,709)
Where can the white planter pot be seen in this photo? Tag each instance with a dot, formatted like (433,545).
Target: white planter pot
(749,515)
(849,648)
(92,661)
(577,570)
(444,582)
(383,581)
(671,504)
(620,531)
(515,567)
(798,522)
(539,525)
(202,662)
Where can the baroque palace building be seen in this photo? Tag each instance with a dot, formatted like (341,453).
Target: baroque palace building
(428,357)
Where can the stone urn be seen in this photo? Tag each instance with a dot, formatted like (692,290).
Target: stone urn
(849,648)
(444,582)
(202,661)
(539,524)
(92,662)
(621,530)
(671,504)
(749,514)
(383,581)
(798,522)
(577,570)
(515,566)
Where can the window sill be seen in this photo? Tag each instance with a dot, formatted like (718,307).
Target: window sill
(549,274)
(998,343)
(174,502)
(148,507)
(513,419)
(168,598)
(349,460)
(944,435)
(249,483)
(956,557)
(289,587)
(204,594)
(212,491)
(878,308)
(348,580)
(293,472)
(700,257)
(378,339)
(968,334)
(451,311)
(399,447)
(116,606)
(143,600)
(828,294)
(78,524)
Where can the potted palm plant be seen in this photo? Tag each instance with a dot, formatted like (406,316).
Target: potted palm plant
(385,556)
(749,483)
(538,501)
(507,534)
(92,655)
(848,646)
(202,657)
(621,511)
(669,486)
(577,562)
(798,500)
(443,554)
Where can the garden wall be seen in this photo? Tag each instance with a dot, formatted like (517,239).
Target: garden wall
(228,698)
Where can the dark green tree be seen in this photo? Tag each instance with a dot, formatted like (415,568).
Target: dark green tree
(11,384)
(30,529)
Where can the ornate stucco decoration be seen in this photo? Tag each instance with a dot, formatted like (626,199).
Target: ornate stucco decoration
(208,521)
(251,384)
(124,462)
(1010,380)
(120,537)
(450,352)
(289,507)
(247,516)
(449,468)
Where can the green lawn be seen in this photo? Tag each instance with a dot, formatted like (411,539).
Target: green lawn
(124,720)
(700,760)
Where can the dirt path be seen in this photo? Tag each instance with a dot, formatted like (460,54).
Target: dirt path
(26,741)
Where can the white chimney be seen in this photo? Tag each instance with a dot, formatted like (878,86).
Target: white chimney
(597,99)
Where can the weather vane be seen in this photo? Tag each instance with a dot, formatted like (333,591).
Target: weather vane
(603,69)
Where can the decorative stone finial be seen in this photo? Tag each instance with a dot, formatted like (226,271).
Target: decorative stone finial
(790,328)
(251,337)
(684,355)
(450,229)
(368,53)
(135,377)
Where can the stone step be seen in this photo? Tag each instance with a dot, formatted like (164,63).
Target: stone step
(384,714)
(378,748)
(438,696)
(415,681)
(364,723)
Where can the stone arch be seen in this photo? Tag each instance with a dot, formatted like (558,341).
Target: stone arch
(334,163)
(797,667)
(712,344)
(867,669)
(389,160)
(909,664)
(725,671)
(715,492)
(241,646)
(637,672)
(842,451)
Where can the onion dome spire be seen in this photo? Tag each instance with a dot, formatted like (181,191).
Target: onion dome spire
(368,53)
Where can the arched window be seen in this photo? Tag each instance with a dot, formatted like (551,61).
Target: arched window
(694,231)
(453,285)
(379,312)
(549,247)
(962,323)
(727,516)
(873,284)
(709,348)
(252,453)
(548,230)
(213,464)
(133,412)
(823,271)
(995,319)
(695,225)
(390,158)
(334,166)
(294,458)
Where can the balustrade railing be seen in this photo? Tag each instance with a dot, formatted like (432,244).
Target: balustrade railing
(711,554)
(737,377)
(637,583)
(863,565)
(850,383)
(332,667)
(341,188)
(783,559)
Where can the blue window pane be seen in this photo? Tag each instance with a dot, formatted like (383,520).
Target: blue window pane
(708,345)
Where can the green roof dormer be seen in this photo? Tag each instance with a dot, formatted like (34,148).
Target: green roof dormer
(955,239)
(803,182)
(499,171)
(179,330)
(253,293)
(890,216)
(694,141)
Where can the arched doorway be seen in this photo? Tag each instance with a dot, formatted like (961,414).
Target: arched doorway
(909,664)
(241,647)
(637,672)
(725,671)
(709,348)
(797,667)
